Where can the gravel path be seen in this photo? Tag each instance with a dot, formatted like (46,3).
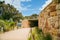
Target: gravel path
(20,34)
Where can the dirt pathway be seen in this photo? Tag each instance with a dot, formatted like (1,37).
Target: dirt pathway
(20,34)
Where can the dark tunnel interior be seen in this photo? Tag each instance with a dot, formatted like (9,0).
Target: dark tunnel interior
(33,23)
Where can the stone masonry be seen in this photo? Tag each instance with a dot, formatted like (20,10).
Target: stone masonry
(48,19)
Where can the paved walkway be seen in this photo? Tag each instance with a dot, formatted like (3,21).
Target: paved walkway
(20,34)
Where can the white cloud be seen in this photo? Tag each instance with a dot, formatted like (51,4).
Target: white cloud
(17,4)
(1,0)
(24,8)
(46,3)
(28,6)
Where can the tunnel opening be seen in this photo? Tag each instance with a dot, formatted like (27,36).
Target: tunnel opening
(33,23)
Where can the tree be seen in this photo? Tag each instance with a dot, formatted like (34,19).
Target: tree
(8,11)
(8,16)
(17,17)
(33,16)
(1,2)
(26,17)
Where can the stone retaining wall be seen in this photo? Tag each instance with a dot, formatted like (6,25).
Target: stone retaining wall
(48,19)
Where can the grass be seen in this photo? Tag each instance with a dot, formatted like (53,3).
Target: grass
(37,34)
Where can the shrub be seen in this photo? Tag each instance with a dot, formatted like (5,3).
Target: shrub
(7,25)
(48,37)
(36,34)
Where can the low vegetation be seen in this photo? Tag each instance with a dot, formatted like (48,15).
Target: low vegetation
(6,25)
(37,34)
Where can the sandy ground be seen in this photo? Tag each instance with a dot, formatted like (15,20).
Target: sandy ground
(20,34)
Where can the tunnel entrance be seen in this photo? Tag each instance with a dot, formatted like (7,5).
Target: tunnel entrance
(33,23)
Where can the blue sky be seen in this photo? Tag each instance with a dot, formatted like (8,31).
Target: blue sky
(29,7)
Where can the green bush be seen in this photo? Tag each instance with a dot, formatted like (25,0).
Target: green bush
(7,25)
(48,37)
(36,34)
